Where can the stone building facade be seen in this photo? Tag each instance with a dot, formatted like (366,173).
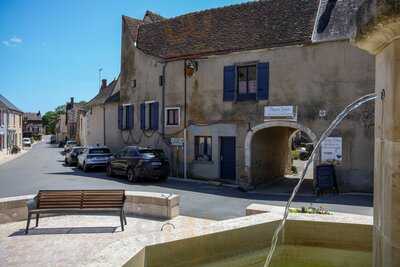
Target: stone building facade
(182,78)
(32,124)
(101,117)
(10,126)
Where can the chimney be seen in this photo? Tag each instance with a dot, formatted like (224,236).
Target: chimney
(103,83)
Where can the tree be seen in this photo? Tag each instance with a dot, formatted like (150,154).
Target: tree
(50,121)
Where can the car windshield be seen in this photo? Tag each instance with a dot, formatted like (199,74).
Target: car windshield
(152,153)
(71,142)
(99,151)
(26,139)
(77,150)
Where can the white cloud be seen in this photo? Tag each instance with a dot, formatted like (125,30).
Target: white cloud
(14,41)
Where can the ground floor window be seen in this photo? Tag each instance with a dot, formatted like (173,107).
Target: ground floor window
(2,142)
(203,148)
(172,116)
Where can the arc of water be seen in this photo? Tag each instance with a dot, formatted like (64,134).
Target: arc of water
(315,151)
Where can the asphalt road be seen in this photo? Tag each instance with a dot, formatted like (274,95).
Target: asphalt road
(42,168)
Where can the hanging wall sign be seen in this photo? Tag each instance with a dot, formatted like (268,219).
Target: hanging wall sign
(331,149)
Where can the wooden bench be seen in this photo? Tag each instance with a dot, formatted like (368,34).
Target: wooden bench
(77,201)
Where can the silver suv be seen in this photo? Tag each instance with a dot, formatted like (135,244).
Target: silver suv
(91,157)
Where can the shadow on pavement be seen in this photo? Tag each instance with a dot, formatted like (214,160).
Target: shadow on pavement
(65,231)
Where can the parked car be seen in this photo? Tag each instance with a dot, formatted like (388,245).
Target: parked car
(26,142)
(91,157)
(71,158)
(69,144)
(137,162)
(53,139)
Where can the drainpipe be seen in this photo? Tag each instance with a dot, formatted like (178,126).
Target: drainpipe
(185,125)
(163,98)
(104,124)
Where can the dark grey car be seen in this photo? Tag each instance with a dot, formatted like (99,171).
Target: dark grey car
(138,162)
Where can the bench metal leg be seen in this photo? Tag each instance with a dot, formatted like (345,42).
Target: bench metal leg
(28,222)
(121,218)
(37,219)
(124,217)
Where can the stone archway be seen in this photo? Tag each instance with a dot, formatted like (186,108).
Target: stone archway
(294,126)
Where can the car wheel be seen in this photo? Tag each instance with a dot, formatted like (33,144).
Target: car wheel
(163,178)
(85,168)
(132,178)
(109,171)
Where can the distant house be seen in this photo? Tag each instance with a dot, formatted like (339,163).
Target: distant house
(61,128)
(100,118)
(32,124)
(71,119)
(10,125)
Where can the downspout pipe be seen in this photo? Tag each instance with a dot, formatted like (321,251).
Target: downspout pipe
(104,124)
(185,125)
(163,99)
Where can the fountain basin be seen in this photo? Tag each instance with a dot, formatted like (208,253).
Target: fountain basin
(307,240)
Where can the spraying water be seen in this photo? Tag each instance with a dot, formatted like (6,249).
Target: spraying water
(325,134)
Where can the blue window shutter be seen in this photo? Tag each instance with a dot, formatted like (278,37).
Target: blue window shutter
(132,117)
(120,116)
(229,83)
(142,116)
(154,115)
(128,117)
(262,81)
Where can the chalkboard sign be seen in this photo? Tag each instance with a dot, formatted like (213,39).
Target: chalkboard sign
(325,179)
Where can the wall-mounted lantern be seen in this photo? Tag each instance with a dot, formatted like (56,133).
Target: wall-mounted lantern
(191,67)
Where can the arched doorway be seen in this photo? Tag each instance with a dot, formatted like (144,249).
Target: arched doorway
(268,149)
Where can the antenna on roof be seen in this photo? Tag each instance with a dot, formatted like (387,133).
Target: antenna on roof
(100,70)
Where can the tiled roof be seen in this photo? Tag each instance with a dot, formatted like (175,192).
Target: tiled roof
(132,26)
(8,104)
(248,26)
(115,94)
(103,95)
(32,116)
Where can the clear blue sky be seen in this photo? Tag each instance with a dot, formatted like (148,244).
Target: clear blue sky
(51,50)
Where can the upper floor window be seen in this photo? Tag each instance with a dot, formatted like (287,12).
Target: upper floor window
(149,115)
(172,115)
(125,117)
(247,82)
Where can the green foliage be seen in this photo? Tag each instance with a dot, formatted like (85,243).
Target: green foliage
(49,121)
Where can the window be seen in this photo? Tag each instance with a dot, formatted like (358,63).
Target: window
(203,148)
(172,116)
(247,82)
(149,115)
(125,117)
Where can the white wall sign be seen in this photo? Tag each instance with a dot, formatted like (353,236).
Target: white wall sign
(177,141)
(280,111)
(331,149)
